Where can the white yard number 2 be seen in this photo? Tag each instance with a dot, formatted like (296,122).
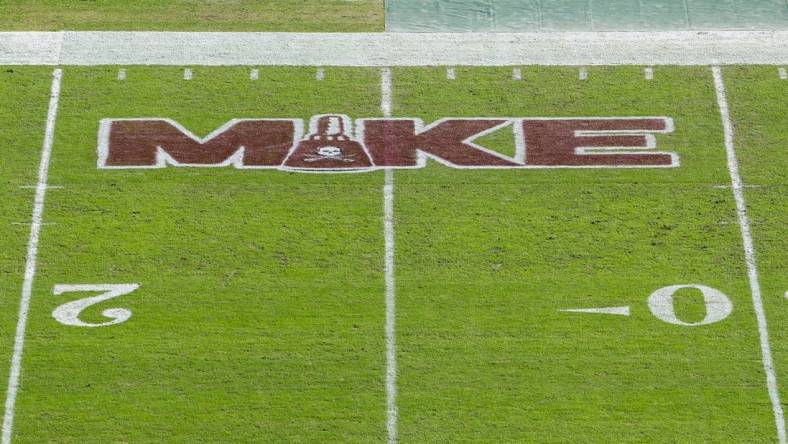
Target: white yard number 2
(68,313)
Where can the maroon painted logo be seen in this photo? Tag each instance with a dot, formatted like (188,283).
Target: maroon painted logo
(331,145)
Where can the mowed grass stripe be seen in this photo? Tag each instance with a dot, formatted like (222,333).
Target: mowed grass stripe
(487,258)
(31,258)
(24,95)
(757,101)
(212,15)
(737,186)
(260,310)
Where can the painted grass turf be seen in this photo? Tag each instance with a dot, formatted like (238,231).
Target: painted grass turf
(261,309)
(182,15)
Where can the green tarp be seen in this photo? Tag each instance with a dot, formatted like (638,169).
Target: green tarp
(584,15)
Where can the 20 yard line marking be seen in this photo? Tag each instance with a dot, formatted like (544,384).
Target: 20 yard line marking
(32,254)
(388,234)
(749,255)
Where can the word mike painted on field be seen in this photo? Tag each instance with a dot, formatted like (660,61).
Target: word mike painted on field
(331,145)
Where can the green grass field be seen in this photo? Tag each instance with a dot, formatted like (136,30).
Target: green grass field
(182,15)
(261,309)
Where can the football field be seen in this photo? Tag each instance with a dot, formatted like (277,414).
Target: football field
(292,254)
(498,221)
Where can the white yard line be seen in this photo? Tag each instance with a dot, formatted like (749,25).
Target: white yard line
(517,74)
(394,49)
(749,255)
(32,254)
(391,313)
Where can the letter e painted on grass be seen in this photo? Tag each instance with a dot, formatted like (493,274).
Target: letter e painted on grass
(600,142)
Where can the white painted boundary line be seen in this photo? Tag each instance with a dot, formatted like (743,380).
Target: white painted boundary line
(394,49)
(32,255)
(391,313)
(749,255)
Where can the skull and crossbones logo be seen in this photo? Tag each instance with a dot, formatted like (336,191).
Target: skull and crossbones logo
(328,153)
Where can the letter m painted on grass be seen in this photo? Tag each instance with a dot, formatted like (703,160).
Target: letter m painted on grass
(156,143)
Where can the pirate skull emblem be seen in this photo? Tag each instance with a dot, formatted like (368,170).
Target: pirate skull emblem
(328,153)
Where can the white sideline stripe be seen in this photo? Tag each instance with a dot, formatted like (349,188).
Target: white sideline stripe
(517,74)
(32,254)
(451,74)
(394,49)
(391,313)
(749,255)
(621,311)
(320,74)
(782,73)
(187,74)
(649,73)
(583,74)
(121,74)
(254,74)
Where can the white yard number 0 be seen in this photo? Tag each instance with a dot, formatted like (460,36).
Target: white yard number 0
(718,306)
(68,313)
